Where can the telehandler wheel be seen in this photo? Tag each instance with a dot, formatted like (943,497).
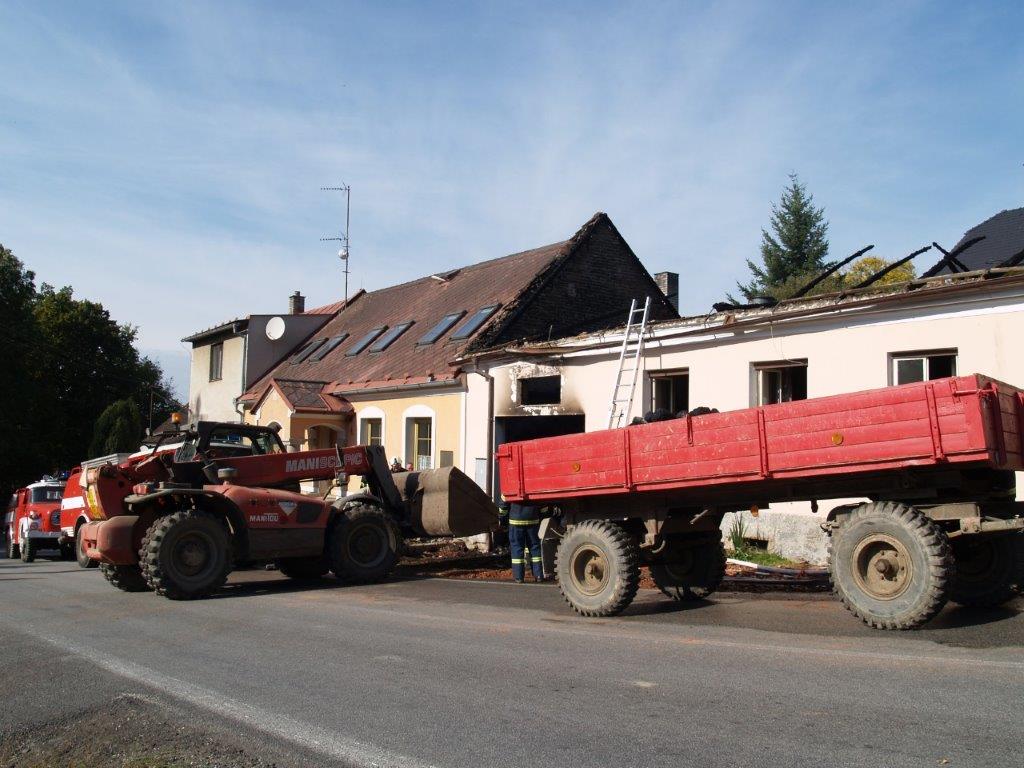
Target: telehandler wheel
(28,550)
(186,554)
(890,565)
(127,578)
(363,545)
(13,550)
(988,569)
(690,567)
(598,568)
(84,561)
(303,568)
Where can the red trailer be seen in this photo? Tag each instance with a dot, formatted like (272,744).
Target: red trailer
(936,461)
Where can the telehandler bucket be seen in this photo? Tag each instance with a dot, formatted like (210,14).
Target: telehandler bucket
(445,502)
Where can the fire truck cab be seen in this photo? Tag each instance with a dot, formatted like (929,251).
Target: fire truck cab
(33,520)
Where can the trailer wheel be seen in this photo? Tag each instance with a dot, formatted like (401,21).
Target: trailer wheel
(84,561)
(598,568)
(303,568)
(988,569)
(363,544)
(13,550)
(890,565)
(127,578)
(186,555)
(28,550)
(691,567)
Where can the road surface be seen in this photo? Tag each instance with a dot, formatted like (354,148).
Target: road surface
(457,673)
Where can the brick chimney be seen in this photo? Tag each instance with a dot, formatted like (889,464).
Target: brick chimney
(668,282)
(297,304)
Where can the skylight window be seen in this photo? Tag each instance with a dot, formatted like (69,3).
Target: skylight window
(327,348)
(364,342)
(307,350)
(442,327)
(388,338)
(472,325)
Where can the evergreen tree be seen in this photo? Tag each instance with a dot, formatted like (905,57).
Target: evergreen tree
(794,251)
(117,430)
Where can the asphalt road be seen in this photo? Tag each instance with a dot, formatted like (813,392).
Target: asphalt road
(449,673)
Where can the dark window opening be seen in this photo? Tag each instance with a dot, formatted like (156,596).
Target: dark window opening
(303,354)
(670,392)
(216,361)
(780,383)
(923,366)
(329,347)
(388,338)
(540,390)
(364,342)
(442,327)
(477,319)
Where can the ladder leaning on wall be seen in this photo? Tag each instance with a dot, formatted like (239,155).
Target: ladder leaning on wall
(629,363)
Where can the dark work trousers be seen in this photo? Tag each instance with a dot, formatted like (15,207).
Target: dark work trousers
(524,542)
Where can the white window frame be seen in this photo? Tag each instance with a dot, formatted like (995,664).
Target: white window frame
(418,412)
(670,373)
(373,412)
(220,367)
(924,355)
(757,371)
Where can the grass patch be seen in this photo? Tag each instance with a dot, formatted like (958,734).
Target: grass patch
(746,547)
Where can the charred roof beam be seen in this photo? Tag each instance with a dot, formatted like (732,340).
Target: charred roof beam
(883,272)
(831,270)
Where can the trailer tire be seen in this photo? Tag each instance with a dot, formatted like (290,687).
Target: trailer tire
(987,569)
(691,567)
(84,561)
(303,568)
(186,555)
(890,565)
(127,578)
(28,550)
(13,550)
(598,568)
(363,544)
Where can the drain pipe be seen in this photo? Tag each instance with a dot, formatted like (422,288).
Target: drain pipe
(489,473)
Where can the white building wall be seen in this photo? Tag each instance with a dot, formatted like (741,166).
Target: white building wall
(215,400)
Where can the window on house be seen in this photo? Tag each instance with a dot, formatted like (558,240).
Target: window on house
(780,382)
(442,327)
(329,347)
(216,361)
(923,366)
(419,442)
(670,391)
(477,319)
(540,390)
(371,432)
(388,338)
(364,342)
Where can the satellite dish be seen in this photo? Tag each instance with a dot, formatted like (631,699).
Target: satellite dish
(275,328)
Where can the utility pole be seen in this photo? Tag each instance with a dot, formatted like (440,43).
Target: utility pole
(343,252)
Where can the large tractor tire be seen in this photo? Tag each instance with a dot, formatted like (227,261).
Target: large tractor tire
(363,545)
(186,555)
(13,550)
(303,568)
(598,568)
(127,578)
(84,561)
(690,567)
(988,569)
(29,549)
(890,565)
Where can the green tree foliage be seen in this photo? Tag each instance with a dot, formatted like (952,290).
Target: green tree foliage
(794,251)
(117,430)
(866,266)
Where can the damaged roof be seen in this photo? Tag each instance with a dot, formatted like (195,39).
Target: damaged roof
(1004,239)
(504,286)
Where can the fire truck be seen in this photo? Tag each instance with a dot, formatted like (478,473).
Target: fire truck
(32,521)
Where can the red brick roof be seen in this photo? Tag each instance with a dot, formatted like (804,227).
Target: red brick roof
(306,396)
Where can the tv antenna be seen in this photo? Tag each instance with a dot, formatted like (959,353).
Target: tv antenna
(343,251)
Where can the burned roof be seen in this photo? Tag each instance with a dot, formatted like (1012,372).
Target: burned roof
(1003,239)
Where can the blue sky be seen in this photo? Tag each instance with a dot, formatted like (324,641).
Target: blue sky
(166,158)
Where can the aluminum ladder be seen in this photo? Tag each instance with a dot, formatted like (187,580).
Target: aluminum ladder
(629,363)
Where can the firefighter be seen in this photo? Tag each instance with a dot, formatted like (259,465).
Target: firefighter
(524,540)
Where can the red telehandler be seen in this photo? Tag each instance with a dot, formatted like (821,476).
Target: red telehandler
(177,522)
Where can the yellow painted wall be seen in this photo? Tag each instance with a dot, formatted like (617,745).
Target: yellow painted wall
(447,413)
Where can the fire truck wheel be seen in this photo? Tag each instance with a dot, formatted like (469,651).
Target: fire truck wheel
(690,567)
(28,550)
(303,568)
(13,550)
(363,544)
(988,569)
(186,554)
(890,565)
(127,578)
(598,568)
(84,561)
